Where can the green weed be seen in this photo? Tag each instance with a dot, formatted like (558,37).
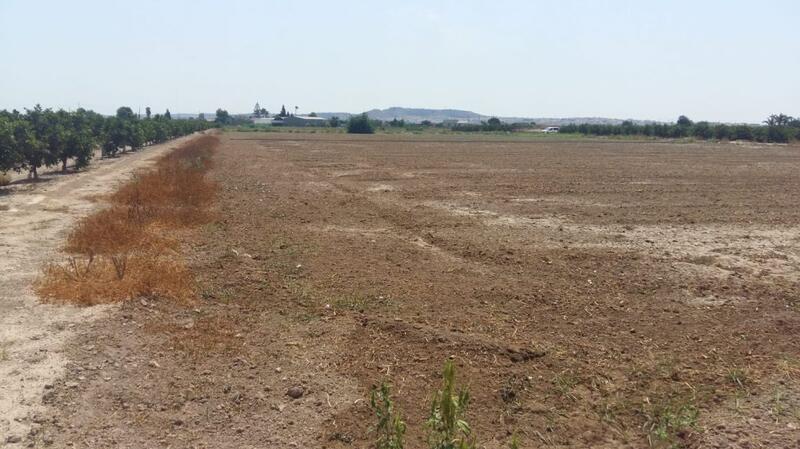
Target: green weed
(669,419)
(738,377)
(390,429)
(447,427)
(564,382)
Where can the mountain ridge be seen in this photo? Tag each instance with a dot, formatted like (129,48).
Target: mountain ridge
(417,115)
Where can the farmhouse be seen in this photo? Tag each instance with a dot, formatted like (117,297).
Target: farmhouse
(299,120)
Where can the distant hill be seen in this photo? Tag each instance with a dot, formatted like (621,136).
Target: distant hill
(417,115)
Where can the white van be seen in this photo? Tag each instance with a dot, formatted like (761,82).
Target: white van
(551,129)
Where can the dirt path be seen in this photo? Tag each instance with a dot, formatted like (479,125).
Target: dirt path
(33,221)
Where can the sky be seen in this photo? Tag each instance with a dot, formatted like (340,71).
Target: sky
(716,60)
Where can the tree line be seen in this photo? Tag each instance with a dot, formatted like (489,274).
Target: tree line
(45,137)
(778,128)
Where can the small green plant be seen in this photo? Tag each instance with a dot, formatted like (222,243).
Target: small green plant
(514,442)
(738,377)
(778,408)
(564,382)
(667,420)
(390,429)
(447,427)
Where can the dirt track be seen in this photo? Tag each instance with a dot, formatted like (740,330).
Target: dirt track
(33,221)
(586,291)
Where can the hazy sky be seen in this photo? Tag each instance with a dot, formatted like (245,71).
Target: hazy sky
(719,60)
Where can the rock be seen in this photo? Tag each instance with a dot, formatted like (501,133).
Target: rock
(12,439)
(295,392)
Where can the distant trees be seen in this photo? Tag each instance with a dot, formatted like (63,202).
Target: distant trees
(360,124)
(777,128)
(494,124)
(223,118)
(283,112)
(125,113)
(44,137)
(334,122)
(776,120)
(259,112)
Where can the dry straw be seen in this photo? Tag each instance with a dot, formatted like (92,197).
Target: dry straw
(121,252)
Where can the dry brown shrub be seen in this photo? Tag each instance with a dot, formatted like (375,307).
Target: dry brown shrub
(86,281)
(120,252)
(111,231)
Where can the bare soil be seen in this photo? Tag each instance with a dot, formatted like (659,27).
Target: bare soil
(591,294)
(34,220)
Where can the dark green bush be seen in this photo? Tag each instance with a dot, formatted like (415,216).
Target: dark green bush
(360,124)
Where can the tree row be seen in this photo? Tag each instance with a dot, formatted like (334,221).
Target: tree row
(44,137)
(777,128)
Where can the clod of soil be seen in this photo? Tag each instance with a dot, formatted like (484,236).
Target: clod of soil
(295,392)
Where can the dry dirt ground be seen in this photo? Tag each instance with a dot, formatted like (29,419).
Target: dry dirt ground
(591,294)
(34,218)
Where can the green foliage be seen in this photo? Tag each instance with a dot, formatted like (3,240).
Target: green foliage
(665,421)
(335,122)
(778,128)
(447,427)
(702,130)
(742,132)
(8,148)
(31,152)
(390,429)
(494,124)
(125,113)
(360,124)
(43,137)
(223,118)
(779,120)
